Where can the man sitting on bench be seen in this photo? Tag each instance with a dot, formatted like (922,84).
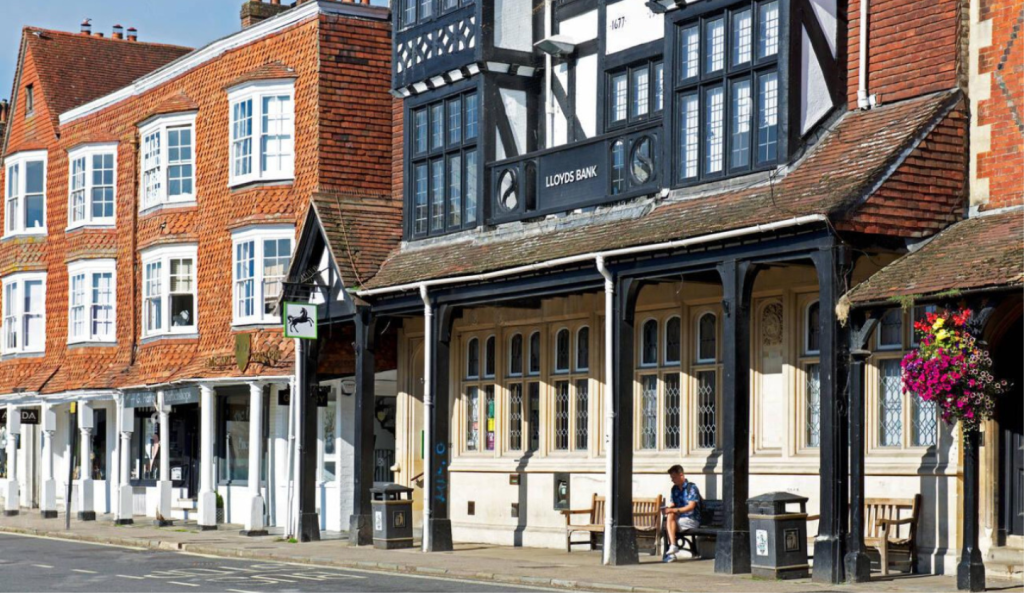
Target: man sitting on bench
(683,509)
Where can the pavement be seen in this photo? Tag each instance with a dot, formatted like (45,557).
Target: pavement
(484,564)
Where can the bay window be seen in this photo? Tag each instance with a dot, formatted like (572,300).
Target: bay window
(168,160)
(24,313)
(92,185)
(262,116)
(727,94)
(25,193)
(169,290)
(92,301)
(261,259)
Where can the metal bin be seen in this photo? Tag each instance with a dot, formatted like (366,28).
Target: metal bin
(778,536)
(392,516)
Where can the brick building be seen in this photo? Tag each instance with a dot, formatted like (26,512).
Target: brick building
(151,215)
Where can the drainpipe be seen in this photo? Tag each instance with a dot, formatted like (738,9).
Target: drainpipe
(864,101)
(428,409)
(609,410)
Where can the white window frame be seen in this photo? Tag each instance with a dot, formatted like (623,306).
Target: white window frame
(162,125)
(256,235)
(88,269)
(649,364)
(87,153)
(20,161)
(14,312)
(878,330)
(697,333)
(256,92)
(163,255)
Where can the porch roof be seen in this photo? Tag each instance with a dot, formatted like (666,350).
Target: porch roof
(980,253)
(849,176)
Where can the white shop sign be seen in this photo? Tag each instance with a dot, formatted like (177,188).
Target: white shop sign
(630,23)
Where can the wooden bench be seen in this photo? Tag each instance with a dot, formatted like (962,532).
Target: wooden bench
(890,531)
(646,521)
(696,541)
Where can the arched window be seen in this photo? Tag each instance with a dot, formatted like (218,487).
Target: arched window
(473,359)
(562,351)
(535,353)
(673,340)
(649,343)
(812,329)
(707,338)
(489,357)
(583,349)
(515,355)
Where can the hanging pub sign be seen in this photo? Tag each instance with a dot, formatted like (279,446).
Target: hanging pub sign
(140,399)
(300,321)
(30,415)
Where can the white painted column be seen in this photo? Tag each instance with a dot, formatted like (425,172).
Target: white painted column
(85,484)
(125,426)
(11,502)
(207,495)
(48,422)
(163,485)
(255,525)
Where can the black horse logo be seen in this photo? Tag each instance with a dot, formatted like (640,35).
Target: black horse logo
(297,320)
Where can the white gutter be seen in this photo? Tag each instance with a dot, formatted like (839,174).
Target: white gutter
(609,408)
(864,101)
(428,409)
(590,257)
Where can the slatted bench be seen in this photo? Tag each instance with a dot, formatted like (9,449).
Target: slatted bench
(890,532)
(646,521)
(712,522)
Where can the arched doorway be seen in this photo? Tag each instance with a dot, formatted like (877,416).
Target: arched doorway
(1007,353)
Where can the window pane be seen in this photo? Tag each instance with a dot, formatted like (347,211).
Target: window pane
(813,328)
(182,300)
(890,330)
(768,30)
(533,391)
(330,437)
(535,353)
(489,357)
(562,351)
(707,410)
(689,54)
(419,131)
(426,9)
(515,358)
(245,272)
(473,419)
(618,167)
(179,162)
(620,94)
(649,343)
(235,422)
(420,199)
(561,416)
(673,341)
(583,349)
(471,188)
(35,203)
(277,144)
(277,255)
(813,428)
(649,412)
(489,411)
(103,306)
(152,181)
(33,308)
(515,417)
(454,191)
(707,338)
(741,108)
(77,297)
(714,34)
(241,137)
(659,86)
(473,358)
(925,423)
(672,396)
(714,137)
(436,126)
(103,186)
(472,110)
(890,403)
(640,95)
(78,189)
(582,414)
(768,111)
(437,195)
(454,121)
(153,297)
(742,34)
(689,135)
(920,314)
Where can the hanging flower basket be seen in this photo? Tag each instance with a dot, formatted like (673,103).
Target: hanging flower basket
(949,368)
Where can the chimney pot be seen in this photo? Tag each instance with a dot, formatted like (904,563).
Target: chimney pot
(118,32)
(4,111)
(97,34)
(133,34)
(87,27)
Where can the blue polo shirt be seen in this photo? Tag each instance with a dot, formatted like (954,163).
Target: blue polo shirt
(684,495)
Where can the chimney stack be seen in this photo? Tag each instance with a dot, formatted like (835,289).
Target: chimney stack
(5,111)
(254,11)
(87,27)
(133,34)
(118,32)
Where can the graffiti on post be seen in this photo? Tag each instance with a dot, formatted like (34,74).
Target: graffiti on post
(441,475)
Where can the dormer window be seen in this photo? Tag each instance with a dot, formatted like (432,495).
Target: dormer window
(727,93)
(262,132)
(168,160)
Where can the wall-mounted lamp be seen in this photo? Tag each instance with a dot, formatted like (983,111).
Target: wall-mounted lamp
(348,387)
(557,46)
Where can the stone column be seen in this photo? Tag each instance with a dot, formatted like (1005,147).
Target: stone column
(163,485)
(11,502)
(85,485)
(207,495)
(125,426)
(255,524)
(48,504)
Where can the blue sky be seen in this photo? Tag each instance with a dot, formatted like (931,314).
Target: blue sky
(181,22)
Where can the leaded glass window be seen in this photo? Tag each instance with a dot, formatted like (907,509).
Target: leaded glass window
(473,359)
(672,411)
(649,412)
(890,403)
(707,338)
(515,355)
(673,341)
(583,349)
(489,416)
(812,344)
(890,329)
(562,351)
(535,353)
(649,343)
(812,431)
(489,357)
(533,390)
(924,422)
(707,408)
(561,415)
(515,416)
(582,413)
(473,419)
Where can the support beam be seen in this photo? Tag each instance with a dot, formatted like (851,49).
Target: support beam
(163,485)
(12,504)
(621,539)
(309,521)
(48,504)
(125,427)
(255,525)
(857,562)
(970,572)
(360,526)
(732,547)
(832,266)
(439,522)
(86,424)
(207,494)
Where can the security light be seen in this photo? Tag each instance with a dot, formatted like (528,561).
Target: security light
(556,46)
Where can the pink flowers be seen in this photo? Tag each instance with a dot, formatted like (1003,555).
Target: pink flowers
(949,368)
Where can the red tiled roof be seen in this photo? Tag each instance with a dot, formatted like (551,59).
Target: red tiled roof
(361,231)
(983,252)
(75,68)
(176,102)
(839,176)
(270,71)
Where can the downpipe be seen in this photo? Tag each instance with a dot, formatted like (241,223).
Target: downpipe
(609,409)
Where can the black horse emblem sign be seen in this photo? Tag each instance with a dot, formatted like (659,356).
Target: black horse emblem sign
(300,321)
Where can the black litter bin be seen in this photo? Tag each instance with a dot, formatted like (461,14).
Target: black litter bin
(392,516)
(778,536)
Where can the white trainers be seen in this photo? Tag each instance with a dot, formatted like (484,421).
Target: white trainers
(672,550)
(669,557)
